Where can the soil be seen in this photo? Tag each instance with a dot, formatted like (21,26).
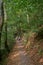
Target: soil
(20,56)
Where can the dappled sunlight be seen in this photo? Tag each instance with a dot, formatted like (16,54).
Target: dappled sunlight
(41,60)
(25,54)
(14,56)
(21,55)
(19,46)
(17,54)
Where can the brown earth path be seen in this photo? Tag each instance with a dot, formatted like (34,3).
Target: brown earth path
(19,56)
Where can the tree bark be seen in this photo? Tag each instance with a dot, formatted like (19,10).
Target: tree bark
(2,23)
(6,45)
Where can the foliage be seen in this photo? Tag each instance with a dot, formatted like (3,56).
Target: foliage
(22,17)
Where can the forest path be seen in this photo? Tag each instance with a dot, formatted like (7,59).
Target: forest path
(19,56)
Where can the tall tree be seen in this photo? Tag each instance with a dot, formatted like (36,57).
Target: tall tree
(1,23)
(2,19)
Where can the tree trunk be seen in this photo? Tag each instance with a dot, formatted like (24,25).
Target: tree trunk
(1,24)
(6,45)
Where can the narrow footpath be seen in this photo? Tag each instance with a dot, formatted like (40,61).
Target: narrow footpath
(19,56)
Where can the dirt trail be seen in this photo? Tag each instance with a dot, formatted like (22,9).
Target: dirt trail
(19,55)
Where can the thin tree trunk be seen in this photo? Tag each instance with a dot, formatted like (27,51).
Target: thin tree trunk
(1,26)
(6,45)
(2,14)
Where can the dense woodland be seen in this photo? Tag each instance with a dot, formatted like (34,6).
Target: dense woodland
(20,18)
